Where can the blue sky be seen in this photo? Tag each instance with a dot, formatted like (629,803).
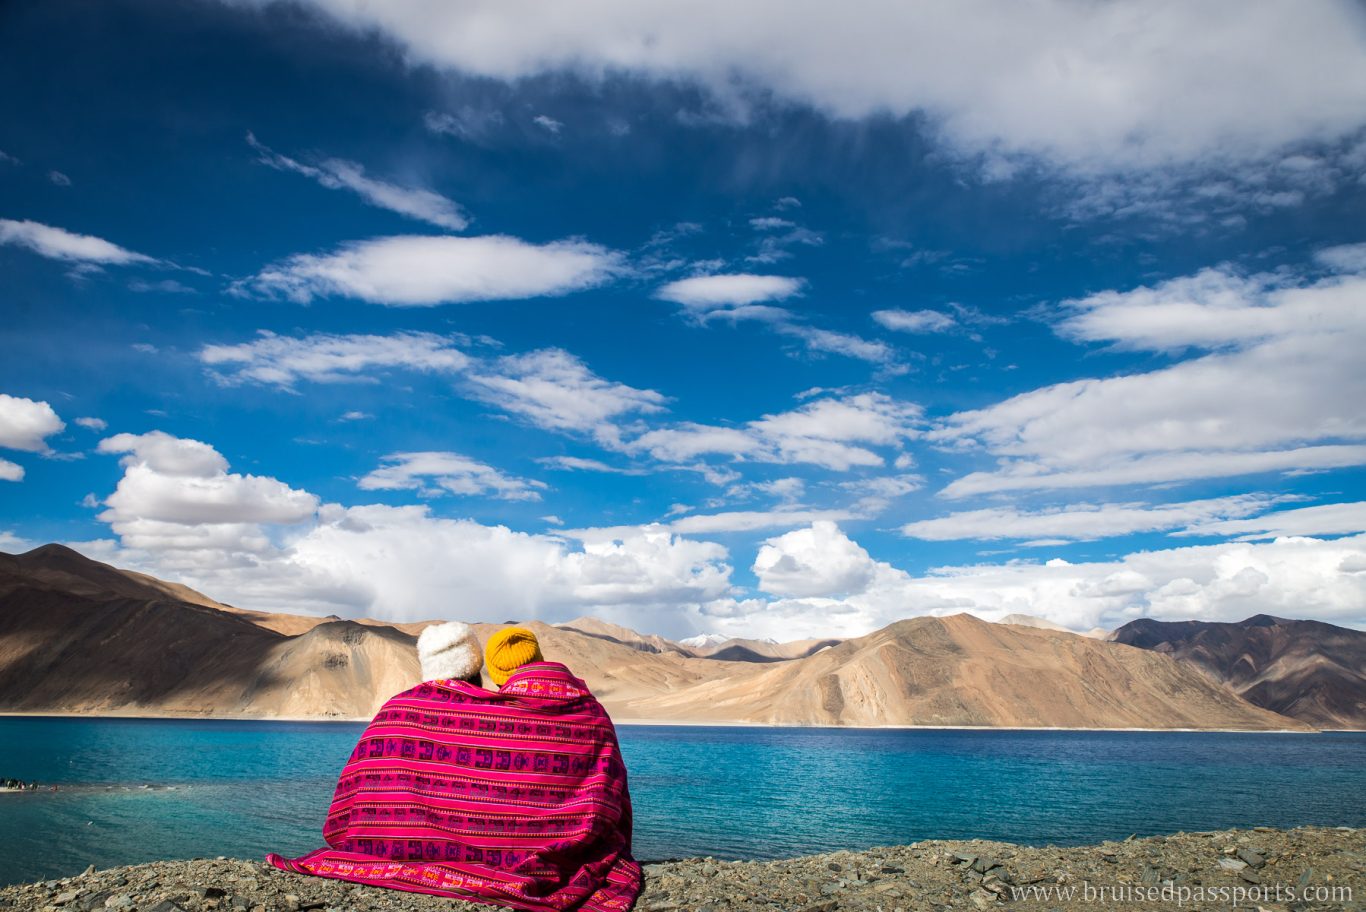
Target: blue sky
(780,321)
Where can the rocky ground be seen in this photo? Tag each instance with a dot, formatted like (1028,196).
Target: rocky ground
(1310,868)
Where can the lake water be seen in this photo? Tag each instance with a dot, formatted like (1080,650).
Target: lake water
(245,788)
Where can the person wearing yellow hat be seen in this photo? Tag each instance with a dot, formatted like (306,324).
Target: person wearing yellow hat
(508,650)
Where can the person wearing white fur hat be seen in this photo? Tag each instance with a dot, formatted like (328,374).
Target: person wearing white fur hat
(450,651)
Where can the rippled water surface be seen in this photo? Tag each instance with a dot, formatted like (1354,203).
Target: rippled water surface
(246,788)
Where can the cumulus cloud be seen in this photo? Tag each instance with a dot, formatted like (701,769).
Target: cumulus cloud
(254,541)
(435,473)
(1085,521)
(555,390)
(94,424)
(172,481)
(11,471)
(60,244)
(915,321)
(817,561)
(1085,86)
(825,581)
(1271,382)
(326,358)
(339,174)
(25,424)
(416,271)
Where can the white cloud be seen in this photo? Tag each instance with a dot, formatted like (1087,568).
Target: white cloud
(822,432)
(25,424)
(11,471)
(467,122)
(325,358)
(58,178)
(59,244)
(171,481)
(435,473)
(825,582)
(9,542)
(94,424)
(555,390)
(818,561)
(837,343)
(1347,258)
(580,464)
(750,520)
(743,296)
(355,415)
(339,174)
(1325,519)
(1275,385)
(1160,468)
(415,271)
(1087,86)
(1083,521)
(548,123)
(732,296)
(255,542)
(915,321)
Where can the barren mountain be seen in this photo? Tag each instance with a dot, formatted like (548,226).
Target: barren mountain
(625,636)
(80,636)
(1308,670)
(961,671)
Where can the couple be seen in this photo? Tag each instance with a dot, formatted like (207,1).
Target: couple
(514,797)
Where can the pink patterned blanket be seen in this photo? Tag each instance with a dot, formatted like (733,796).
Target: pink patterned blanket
(516,798)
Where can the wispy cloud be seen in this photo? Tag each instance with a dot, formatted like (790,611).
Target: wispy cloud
(340,174)
(1084,521)
(555,390)
(915,321)
(60,244)
(326,358)
(434,473)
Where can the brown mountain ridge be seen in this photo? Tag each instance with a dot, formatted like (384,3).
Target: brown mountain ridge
(79,636)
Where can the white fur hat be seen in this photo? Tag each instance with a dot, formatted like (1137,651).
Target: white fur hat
(449,650)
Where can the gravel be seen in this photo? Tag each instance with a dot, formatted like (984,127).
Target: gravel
(1309,868)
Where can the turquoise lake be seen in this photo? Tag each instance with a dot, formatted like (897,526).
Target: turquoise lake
(245,788)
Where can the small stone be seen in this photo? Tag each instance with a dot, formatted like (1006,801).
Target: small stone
(983,865)
(1232,864)
(166,905)
(62,899)
(835,866)
(1251,857)
(88,871)
(94,900)
(892,869)
(1306,877)
(1250,876)
(119,901)
(291,903)
(982,899)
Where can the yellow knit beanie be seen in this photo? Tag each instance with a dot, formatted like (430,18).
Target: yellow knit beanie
(508,650)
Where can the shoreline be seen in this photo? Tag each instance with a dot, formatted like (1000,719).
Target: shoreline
(657,723)
(1304,868)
